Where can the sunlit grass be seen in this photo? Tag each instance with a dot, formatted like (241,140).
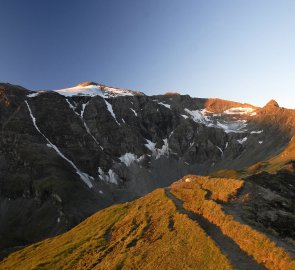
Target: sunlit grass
(251,241)
(148,233)
(221,189)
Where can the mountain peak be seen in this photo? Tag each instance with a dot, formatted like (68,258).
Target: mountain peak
(172,94)
(86,84)
(272,103)
(96,89)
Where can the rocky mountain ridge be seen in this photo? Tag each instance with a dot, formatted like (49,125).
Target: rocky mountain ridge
(66,154)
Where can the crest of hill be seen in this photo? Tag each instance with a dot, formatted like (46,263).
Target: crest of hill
(279,117)
(103,86)
(272,104)
(172,94)
(220,105)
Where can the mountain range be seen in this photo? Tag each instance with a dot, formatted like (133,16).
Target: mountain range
(66,154)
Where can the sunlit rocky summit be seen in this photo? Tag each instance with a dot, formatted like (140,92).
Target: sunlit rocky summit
(66,154)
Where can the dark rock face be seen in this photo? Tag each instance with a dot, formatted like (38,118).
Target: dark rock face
(274,207)
(64,158)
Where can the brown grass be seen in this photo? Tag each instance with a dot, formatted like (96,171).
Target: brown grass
(222,189)
(226,174)
(148,233)
(251,241)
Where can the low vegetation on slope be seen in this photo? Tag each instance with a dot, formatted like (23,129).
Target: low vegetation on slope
(281,161)
(221,189)
(148,233)
(194,192)
(153,233)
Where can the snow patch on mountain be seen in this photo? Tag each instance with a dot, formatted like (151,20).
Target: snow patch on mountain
(110,109)
(96,90)
(72,107)
(164,150)
(113,92)
(83,108)
(129,158)
(83,121)
(165,105)
(256,132)
(109,177)
(241,141)
(221,151)
(135,113)
(36,93)
(151,146)
(158,152)
(198,116)
(89,90)
(239,110)
(211,120)
(33,95)
(84,176)
(237,126)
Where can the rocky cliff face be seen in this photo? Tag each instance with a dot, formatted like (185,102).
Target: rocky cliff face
(65,154)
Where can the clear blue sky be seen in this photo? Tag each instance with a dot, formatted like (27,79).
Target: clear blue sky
(241,50)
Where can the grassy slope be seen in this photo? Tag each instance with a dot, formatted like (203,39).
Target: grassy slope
(150,233)
(271,165)
(146,234)
(192,190)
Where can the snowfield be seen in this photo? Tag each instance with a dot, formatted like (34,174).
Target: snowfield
(214,120)
(239,110)
(95,90)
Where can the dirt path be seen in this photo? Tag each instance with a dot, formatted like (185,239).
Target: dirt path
(238,258)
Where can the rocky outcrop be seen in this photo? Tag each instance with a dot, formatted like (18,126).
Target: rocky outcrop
(271,104)
(267,202)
